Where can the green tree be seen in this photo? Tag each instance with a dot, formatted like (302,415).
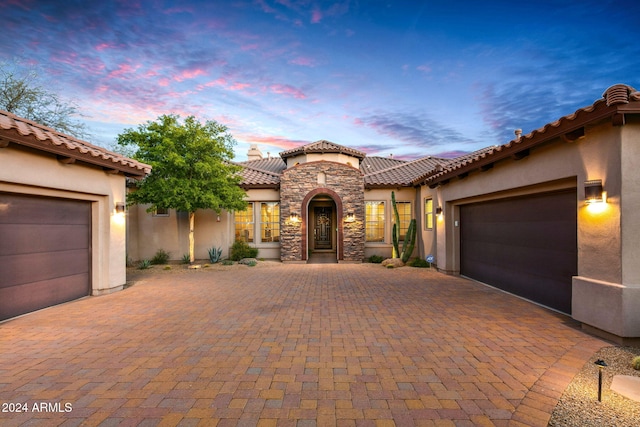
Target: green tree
(191,167)
(22,94)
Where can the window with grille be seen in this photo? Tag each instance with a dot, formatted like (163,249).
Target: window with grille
(244,224)
(374,220)
(269,222)
(428,214)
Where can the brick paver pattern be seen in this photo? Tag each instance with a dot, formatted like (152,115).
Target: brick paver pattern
(291,345)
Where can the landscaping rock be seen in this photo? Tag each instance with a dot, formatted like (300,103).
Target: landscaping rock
(627,386)
(393,262)
(247,261)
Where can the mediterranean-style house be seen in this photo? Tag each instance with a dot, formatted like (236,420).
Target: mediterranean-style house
(552,216)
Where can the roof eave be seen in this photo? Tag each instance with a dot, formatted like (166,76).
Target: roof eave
(74,155)
(536,138)
(260,186)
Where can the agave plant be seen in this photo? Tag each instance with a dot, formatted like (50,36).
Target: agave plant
(215,254)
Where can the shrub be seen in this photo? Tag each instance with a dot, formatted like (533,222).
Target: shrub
(144,264)
(420,263)
(214,254)
(161,257)
(186,259)
(636,363)
(252,263)
(376,259)
(227,262)
(241,250)
(167,267)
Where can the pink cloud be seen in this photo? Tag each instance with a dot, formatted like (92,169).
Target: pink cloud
(275,141)
(304,61)
(287,90)
(164,82)
(103,46)
(316,16)
(217,82)
(252,46)
(189,74)
(122,70)
(239,86)
(424,68)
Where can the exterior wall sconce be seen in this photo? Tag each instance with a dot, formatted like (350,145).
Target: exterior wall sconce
(438,210)
(120,208)
(593,192)
(351,217)
(218,218)
(294,218)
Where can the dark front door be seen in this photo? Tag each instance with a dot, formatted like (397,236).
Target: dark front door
(525,245)
(322,230)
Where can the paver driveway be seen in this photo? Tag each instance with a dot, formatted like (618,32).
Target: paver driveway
(291,345)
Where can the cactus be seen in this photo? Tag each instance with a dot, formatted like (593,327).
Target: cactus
(409,239)
(407,248)
(395,232)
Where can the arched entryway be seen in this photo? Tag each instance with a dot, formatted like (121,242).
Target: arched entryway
(322,232)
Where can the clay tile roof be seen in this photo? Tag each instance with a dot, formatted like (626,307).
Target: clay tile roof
(372,164)
(616,101)
(16,130)
(270,164)
(322,146)
(253,177)
(403,174)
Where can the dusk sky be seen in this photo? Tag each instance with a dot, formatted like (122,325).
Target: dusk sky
(412,78)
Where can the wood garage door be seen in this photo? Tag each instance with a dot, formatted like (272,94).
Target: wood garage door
(45,252)
(525,245)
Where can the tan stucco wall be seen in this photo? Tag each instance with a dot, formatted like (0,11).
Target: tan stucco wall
(328,157)
(30,172)
(630,206)
(149,233)
(428,242)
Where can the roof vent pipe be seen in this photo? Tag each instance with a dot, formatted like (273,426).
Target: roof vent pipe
(518,133)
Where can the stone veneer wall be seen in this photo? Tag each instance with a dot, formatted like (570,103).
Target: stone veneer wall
(342,182)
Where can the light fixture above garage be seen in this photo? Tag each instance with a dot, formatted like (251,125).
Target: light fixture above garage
(593,192)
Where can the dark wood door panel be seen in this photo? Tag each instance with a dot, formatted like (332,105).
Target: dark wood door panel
(18,300)
(45,252)
(525,245)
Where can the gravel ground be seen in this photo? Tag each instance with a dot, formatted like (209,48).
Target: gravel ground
(579,404)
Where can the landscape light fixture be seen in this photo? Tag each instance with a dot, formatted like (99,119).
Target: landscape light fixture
(601,364)
(593,191)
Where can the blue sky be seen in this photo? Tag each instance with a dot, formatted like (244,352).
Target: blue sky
(412,78)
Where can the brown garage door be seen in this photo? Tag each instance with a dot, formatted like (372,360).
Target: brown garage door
(525,245)
(45,252)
